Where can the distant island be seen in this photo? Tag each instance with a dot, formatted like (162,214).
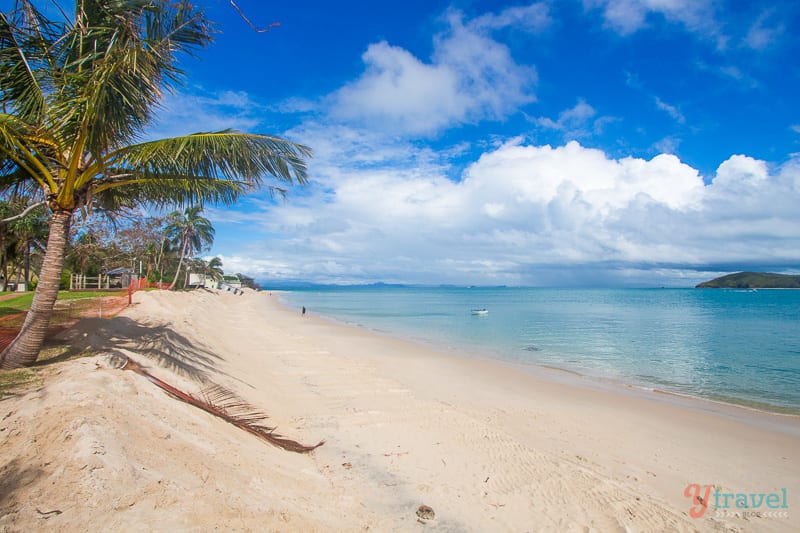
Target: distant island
(753,280)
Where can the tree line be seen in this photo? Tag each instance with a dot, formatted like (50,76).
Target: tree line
(158,249)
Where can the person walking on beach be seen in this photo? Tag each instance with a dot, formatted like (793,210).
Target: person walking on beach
(303,312)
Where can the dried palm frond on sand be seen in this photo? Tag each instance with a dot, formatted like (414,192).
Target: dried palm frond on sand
(224,404)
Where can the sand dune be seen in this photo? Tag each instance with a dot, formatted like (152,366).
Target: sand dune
(487,446)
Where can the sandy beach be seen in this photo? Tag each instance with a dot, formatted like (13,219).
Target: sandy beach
(487,446)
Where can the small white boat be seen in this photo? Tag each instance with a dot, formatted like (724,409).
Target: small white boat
(479,312)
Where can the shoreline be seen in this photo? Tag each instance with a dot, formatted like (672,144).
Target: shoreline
(581,378)
(488,447)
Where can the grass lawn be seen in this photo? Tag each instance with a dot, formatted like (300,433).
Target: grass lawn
(22,303)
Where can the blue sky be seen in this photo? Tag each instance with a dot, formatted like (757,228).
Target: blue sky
(571,142)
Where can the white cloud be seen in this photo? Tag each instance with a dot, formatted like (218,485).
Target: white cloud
(667,145)
(470,77)
(522,214)
(672,111)
(764,32)
(731,72)
(576,122)
(400,91)
(569,119)
(706,19)
(182,114)
(542,175)
(296,105)
(741,173)
(533,18)
(629,16)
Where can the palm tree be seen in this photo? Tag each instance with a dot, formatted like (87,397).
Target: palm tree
(76,96)
(214,269)
(208,270)
(191,231)
(30,230)
(21,235)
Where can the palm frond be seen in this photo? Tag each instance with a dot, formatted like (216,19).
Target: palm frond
(21,146)
(26,45)
(225,154)
(224,404)
(162,191)
(204,167)
(121,67)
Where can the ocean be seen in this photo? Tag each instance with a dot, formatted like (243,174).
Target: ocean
(735,346)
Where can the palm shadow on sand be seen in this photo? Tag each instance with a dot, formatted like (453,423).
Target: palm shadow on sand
(159,342)
(16,476)
(175,351)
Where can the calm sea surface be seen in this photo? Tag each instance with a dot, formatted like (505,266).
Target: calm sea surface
(736,346)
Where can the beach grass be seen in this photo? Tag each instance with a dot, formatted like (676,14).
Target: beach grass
(20,380)
(15,381)
(24,299)
(21,303)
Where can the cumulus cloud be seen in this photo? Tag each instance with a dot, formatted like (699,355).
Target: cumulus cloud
(527,214)
(400,90)
(542,175)
(470,77)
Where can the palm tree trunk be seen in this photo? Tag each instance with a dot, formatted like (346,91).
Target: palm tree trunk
(27,264)
(24,349)
(180,263)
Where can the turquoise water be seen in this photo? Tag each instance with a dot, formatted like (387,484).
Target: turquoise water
(736,346)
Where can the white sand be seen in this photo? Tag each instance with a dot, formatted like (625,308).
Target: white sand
(488,446)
